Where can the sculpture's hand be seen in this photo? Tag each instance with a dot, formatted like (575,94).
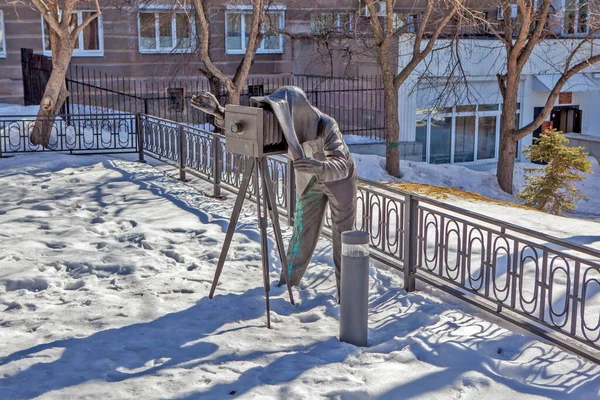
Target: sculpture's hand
(309,166)
(208,103)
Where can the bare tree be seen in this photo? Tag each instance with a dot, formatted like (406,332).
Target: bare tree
(527,24)
(432,22)
(236,84)
(64,33)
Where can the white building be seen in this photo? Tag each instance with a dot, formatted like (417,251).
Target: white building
(457,120)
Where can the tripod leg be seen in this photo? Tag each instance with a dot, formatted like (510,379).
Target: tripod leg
(239,201)
(270,201)
(261,209)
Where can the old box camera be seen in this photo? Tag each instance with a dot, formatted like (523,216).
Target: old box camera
(253,131)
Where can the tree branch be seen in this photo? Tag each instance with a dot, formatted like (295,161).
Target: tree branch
(87,21)
(375,24)
(536,36)
(419,55)
(204,43)
(422,25)
(527,129)
(67,13)
(258,16)
(49,16)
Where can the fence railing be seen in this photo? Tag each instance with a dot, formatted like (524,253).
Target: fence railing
(202,153)
(547,285)
(77,134)
(356,103)
(541,283)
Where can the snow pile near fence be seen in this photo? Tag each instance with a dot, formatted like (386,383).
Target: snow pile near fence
(372,167)
(106,265)
(17,110)
(352,139)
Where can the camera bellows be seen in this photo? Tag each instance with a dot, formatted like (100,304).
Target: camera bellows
(253,131)
(273,135)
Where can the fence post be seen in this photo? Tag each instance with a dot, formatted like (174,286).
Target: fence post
(181,152)
(410,242)
(216,165)
(140,137)
(291,192)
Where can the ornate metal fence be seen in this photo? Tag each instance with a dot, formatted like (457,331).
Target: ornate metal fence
(357,103)
(544,284)
(202,153)
(547,285)
(76,134)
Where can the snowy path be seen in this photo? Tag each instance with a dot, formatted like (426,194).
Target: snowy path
(105,266)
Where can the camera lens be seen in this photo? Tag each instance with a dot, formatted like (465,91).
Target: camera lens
(236,127)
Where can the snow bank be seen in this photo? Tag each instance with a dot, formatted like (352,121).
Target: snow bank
(106,267)
(372,167)
(17,110)
(351,139)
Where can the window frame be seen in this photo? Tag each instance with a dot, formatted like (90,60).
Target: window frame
(339,25)
(156,10)
(576,32)
(400,20)
(3,39)
(245,10)
(77,52)
(452,113)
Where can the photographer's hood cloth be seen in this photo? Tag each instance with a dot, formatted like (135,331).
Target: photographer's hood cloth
(312,134)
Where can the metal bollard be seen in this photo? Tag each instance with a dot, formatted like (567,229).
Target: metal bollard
(354,296)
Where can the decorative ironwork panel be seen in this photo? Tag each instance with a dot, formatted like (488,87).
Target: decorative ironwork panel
(70,133)
(552,284)
(160,137)
(199,150)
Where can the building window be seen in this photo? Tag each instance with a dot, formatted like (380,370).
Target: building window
(324,24)
(464,139)
(486,143)
(166,31)
(238,24)
(473,23)
(421,136)
(406,21)
(575,18)
(90,42)
(441,140)
(2,36)
(460,134)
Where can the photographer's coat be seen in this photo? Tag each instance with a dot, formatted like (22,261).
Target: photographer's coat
(325,174)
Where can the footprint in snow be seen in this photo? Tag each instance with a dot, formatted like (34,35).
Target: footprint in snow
(42,207)
(56,246)
(173,255)
(309,318)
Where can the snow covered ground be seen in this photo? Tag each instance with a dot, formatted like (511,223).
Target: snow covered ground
(372,167)
(105,267)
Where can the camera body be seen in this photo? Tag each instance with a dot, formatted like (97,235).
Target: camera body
(253,131)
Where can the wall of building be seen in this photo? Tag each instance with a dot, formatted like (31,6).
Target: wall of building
(434,89)
(122,57)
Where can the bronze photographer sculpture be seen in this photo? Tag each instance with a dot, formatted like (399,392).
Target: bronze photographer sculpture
(326,173)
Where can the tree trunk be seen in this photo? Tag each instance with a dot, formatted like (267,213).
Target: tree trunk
(506,160)
(55,95)
(233,96)
(392,132)
(214,85)
(508,148)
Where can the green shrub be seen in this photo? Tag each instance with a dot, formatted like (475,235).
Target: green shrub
(552,188)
